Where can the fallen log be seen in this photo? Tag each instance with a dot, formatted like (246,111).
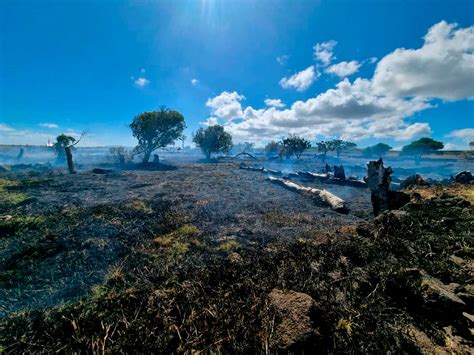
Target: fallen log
(324,178)
(336,203)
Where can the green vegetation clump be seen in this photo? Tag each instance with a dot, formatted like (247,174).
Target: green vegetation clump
(9,196)
(17,223)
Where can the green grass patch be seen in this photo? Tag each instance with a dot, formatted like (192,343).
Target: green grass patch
(228,245)
(10,225)
(8,196)
(178,241)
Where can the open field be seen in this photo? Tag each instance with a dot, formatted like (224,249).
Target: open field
(200,256)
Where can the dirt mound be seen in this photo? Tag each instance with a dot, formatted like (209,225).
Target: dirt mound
(294,324)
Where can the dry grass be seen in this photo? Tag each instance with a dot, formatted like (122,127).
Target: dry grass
(462,190)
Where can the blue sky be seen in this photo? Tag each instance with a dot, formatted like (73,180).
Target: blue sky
(366,71)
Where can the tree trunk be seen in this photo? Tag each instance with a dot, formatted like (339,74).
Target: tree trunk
(323,158)
(70,163)
(208,155)
(146,156)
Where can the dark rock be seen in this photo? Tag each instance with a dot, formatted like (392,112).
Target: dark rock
(464,177)
(426,294)
(339,172)
(294,325)
(101,171)
(414,180)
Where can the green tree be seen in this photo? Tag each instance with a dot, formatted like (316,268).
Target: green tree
(272,148)
(339,145)
(323,150)
(213,139)
(420,147)
(295,145)
(156,129)
(379,150)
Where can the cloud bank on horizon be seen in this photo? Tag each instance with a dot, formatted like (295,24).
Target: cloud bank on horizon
(405,82)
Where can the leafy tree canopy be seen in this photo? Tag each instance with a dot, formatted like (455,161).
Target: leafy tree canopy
(295,145)
(422,146)
(213,139)
(339,145)
(156,129)
(379,150)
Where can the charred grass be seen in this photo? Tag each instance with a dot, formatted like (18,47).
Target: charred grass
(173,288)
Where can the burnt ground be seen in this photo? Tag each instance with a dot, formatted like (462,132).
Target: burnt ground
(221,200)
(161,260)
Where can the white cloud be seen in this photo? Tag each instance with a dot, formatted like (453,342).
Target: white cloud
(324,51)
(194,81)
(350,111)
(274,103)
(372,60)
(442,68)
(141,82)
(5,128)
(226,105)
(344,69)
(49,125)
(453,146)
(465,135)
(211,121)
(301,80)
(283,59)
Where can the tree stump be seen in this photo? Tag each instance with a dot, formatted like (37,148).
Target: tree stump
(378,180)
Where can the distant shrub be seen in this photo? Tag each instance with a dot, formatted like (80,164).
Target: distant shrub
(422,146)
(273,148)
(339,145)
(377,150)
(213,139)
(120,155)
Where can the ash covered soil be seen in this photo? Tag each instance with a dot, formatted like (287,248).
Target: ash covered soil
(209,257)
